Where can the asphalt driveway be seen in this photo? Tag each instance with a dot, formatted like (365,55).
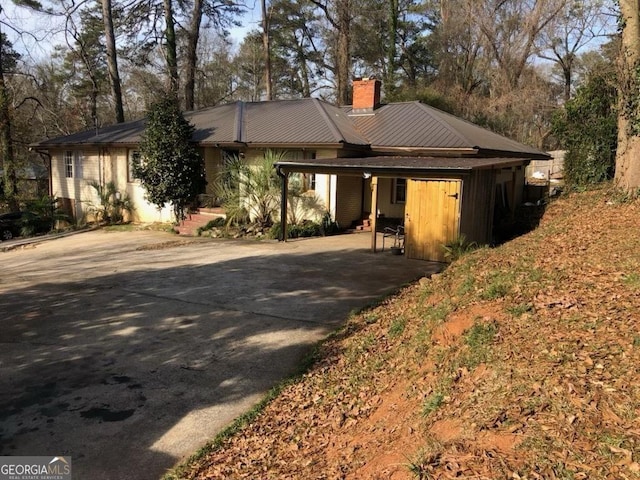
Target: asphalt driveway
(130,350)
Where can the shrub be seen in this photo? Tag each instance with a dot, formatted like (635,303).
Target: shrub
(458,247)
(306,228)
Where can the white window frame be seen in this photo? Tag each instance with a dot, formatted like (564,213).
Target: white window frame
(68,164)
(73,160)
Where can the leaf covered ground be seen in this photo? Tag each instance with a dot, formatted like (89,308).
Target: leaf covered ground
(518,362)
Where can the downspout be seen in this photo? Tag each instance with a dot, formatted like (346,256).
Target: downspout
(283,203)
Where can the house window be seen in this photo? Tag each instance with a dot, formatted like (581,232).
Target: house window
(133,158)
(78,158)
(310,181)
(73,164)
(68,164)
(399,192)
(306,180)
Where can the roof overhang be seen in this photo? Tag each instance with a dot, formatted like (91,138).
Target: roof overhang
(286,146)
(424,152)
(44,146)
(398,166)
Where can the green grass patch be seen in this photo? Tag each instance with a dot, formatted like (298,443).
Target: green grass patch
(478,340)
(423,463)
(632,280)
(397,327)
(432,403)
(519,309)
(497,288)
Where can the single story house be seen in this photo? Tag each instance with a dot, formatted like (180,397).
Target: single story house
(435,173)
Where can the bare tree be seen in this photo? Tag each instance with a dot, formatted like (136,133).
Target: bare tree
(7,154)
(171,46)
(511,29)
(112,60)
(266,43)
(220,14)
(460,53)
(338,14)
(577,25)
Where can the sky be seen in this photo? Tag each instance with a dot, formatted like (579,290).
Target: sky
(47,31)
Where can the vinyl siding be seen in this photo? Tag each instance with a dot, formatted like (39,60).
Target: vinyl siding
(108,165)
(476,221)
(349,194)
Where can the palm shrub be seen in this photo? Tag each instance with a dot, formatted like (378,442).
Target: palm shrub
(250,193)
(112,205)
(302,203)
(42,215)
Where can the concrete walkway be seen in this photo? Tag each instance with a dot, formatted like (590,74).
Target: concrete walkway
(130,350)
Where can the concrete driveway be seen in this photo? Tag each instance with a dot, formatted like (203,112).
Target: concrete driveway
(130,350)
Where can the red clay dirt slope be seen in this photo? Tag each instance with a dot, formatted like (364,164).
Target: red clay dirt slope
(519,362)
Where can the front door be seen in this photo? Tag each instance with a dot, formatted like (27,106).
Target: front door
(432,217)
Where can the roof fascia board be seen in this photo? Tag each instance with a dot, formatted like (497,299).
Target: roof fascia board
(299,167)
(518,155)
(417,151)
(60,146)
(306,146)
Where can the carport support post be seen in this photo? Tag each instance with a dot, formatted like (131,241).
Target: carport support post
(374,212)
(283,203)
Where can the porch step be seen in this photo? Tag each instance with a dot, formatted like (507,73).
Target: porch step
(365,226)
(189,226)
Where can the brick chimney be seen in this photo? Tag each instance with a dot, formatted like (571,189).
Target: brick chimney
(366,95)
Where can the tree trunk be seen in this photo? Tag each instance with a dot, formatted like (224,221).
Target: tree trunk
(192,55)
(170,47)
(112,60)
(343,57)
(390,80)
(10,178)
(627,174)
(266,41)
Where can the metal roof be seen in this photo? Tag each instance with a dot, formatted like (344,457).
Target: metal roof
(303,121)
(123,133)
(307,121)
(419,126)
(314,123)
(399,165)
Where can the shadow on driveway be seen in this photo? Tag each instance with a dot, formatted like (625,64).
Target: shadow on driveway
(131,366)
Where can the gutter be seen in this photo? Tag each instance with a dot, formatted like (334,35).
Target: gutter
(284,168)
(419,151)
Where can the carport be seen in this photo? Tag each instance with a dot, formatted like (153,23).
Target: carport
(446,196)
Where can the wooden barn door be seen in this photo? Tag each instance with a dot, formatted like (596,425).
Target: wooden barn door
(432,217)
